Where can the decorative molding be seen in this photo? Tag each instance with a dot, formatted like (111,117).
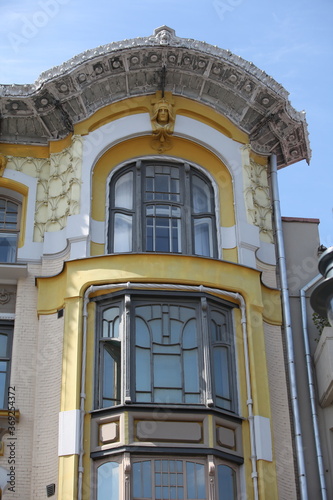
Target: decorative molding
(162,120)
(67,94)
(5,296)
(257,199)
(58,186)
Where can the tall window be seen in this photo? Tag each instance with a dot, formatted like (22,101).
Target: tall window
(9,227)
(162,207)
(6,337)
(169,350)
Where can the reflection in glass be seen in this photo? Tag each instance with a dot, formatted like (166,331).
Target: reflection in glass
(124,191)
(108,481)
(123,233)
(226,483)
(201,196)
(203,239)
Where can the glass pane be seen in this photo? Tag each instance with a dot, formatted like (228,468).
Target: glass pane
(201,196)
(203,239)
(191,371)
(2,389)
(142,333)
(195,477)
(142,370)
(190,335)
(108,481)
(168,396)
(142,487)
(221,372)
(8,244)
(122,233)
(162,238)
(3,345)
(167,371)
(111,376)
(124,191)
(111,323)
(226,483)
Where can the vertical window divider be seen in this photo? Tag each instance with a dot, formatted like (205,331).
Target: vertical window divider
(137,222)
(187,206)
(127,474)
(211,473)
(127,352)
(206,352)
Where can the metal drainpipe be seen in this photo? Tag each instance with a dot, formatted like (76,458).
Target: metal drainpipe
(200,288)
(288,331)
(308,360)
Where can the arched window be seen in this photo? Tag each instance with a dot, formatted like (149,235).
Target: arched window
(158,206)
(9,228)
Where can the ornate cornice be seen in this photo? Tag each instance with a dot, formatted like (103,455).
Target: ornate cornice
(73,91)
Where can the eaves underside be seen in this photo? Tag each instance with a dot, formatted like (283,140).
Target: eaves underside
(67,95)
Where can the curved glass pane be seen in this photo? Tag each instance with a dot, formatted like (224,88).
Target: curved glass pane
(108,481)
(123,191)
(201,196)
(190,335)
(226,483)
(122,233)
(142,333)
(203,237)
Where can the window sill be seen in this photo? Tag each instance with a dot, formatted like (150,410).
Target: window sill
(12,271)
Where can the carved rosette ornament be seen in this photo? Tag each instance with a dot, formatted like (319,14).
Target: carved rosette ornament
(163,121)
(5,296)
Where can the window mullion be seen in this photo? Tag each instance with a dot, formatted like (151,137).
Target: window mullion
(206,352)
(127,353)
(140,208)
(187,216)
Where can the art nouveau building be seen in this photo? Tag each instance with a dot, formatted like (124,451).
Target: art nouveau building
(141,321)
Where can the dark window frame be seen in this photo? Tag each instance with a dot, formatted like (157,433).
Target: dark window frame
(7,328)
(128,300)
(9,231)
(185,205)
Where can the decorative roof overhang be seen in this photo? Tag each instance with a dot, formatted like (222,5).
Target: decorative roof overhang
(69,93)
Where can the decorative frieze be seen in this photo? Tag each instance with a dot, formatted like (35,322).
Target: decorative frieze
(257,198)
(58,186)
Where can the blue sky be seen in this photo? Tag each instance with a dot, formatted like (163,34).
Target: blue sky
(291,40)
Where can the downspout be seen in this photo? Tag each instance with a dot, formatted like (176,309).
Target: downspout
(236,296)
(288,331)
(308,360)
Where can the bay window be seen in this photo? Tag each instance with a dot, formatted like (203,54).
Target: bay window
(168,349)
(172,478)
(159,206)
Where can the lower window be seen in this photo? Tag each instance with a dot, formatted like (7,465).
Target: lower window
(172,349)
(168,479)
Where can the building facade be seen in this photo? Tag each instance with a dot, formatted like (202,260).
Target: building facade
(143,354)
